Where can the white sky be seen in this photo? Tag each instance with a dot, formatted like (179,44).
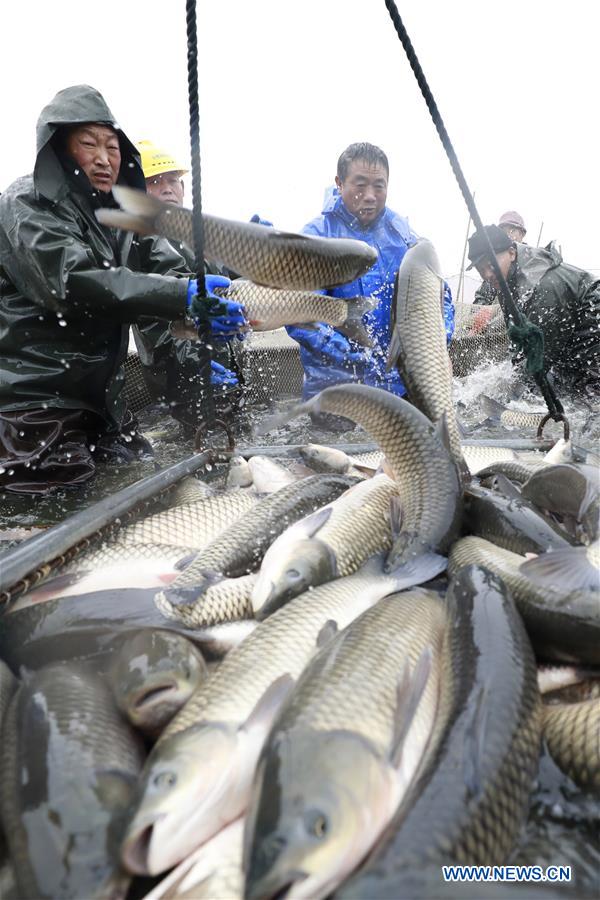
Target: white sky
(286,86)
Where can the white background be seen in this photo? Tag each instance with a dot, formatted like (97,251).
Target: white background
(286,85)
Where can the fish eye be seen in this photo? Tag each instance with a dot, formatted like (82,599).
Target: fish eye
(164,779)
(293,574)
(317,824)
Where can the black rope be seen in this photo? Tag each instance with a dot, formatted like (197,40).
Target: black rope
(207,405)
(529,337)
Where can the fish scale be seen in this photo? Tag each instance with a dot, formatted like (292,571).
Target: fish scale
(572,733)
(427,477)
(562,627)
(352,685)
(418,345)
(189,525)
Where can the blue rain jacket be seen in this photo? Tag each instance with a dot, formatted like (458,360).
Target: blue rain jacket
(391,235)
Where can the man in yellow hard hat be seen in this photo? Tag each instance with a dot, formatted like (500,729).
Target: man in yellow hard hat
(169,363)
(163,173)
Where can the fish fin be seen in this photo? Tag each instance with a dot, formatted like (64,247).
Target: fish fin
(505,486)
(267,707)
(277,421)
(418,570)
(185,561)
(327,633)
(409,691)
(441,429)
(354,327)
(474,744)
(394,351)
(395,516)
(463,430)
(560,452)
(189,594)
(492,409)
(568,569)
(118,218)
(313,522)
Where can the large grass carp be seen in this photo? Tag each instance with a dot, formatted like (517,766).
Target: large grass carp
(198,776)
(429,488)
(470,801)
(69,769)
(153,674)
(240,550)
(418,346)
(510,523)
(264,255)
(564,626)
(345,749)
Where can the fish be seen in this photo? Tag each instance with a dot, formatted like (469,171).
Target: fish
(514,469)
(198,775)
(332,459)
(229,600)
(69,767)
(239,473)
(154,673)
(90,627)
(569,490)
(572,735)
(332,542)
(510,418)
(264,255)
(563,626)
(269,476)
(344,749)
(269,308)
(418,346)
(430,490)
(212,872)
(510,523)
(469,803)
(240,551)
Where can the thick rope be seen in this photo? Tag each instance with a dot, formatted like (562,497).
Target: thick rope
(206,403)
(527,336)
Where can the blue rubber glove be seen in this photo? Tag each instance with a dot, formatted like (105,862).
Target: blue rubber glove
(256,219)
(448,312)
(330,344)
(220,375)
(226,317)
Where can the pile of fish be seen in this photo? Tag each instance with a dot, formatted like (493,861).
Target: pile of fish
(326,678)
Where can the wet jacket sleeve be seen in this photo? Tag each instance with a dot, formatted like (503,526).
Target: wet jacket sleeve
(50,262)
(448,311)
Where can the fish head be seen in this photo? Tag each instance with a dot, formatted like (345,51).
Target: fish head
(154,674)
(187,795)
(311,820)
(300,564)
(325,459)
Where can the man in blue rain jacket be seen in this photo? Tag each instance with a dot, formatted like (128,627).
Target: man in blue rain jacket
(356,209)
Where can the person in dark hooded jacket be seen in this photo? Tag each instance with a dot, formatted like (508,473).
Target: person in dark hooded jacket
(561,299)
(69,288)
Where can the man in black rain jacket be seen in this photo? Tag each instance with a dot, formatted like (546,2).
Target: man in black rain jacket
(69,288)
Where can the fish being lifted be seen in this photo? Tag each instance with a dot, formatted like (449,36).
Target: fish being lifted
(265,255)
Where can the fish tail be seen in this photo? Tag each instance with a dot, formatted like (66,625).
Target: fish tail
(492,409)
(118,218)
(139,211)
(568,569)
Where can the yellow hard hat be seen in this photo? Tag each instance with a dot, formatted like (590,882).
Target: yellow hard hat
(156,161)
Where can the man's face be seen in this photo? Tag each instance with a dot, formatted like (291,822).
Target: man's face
(167,187)
(95,149)
(505,260)
(364,190)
